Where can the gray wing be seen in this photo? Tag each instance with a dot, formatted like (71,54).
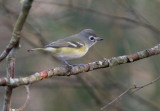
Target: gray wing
(72,41)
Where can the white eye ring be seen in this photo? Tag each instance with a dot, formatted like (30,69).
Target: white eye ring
(92,38)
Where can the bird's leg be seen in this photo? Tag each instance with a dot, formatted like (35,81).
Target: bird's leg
(70,66)
(65,62)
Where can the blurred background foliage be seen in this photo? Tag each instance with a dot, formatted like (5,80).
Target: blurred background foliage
(127,26)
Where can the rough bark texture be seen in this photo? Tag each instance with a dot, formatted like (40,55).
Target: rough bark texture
(11,51)
(67,71)
(17,28)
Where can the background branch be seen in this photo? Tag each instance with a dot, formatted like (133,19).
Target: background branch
(26,102)
(143,24)
(10,74)
(11,50)
(133,89)
(17,28)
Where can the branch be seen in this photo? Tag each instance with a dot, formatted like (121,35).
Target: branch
(10,74)
(26,102)
(146,25)
(11,51)
(135,89)
(67,71)
(17,28)
(116,99)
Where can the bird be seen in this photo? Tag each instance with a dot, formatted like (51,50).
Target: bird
(72,47)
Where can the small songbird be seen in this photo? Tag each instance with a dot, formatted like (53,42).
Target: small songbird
(72,47)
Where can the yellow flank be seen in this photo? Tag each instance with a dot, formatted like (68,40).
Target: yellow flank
(69,50)
(68,53)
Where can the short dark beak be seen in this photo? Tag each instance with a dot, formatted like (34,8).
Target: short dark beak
(98,38)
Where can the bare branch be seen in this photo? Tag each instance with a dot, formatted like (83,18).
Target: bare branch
(26,102)
(11,51)
(133,89)
(7,99)
(17,28)
(116,99)
(146,25)
(10,74)
(137,88)
(67,71)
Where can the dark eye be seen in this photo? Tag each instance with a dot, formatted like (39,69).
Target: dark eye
(91,38)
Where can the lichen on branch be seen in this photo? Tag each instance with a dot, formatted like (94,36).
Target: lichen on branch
(77,69)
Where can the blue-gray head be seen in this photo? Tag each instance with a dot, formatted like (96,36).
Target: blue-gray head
(89,37)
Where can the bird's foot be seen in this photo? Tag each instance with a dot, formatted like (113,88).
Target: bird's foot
(71,67)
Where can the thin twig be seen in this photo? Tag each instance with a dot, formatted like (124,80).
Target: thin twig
(27,99)
(17,28)
(134,89)
(137,88)
(40,37)
(11,51)
(116,99)
(26,102)
(146,25)
(10,74)
(128,8)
